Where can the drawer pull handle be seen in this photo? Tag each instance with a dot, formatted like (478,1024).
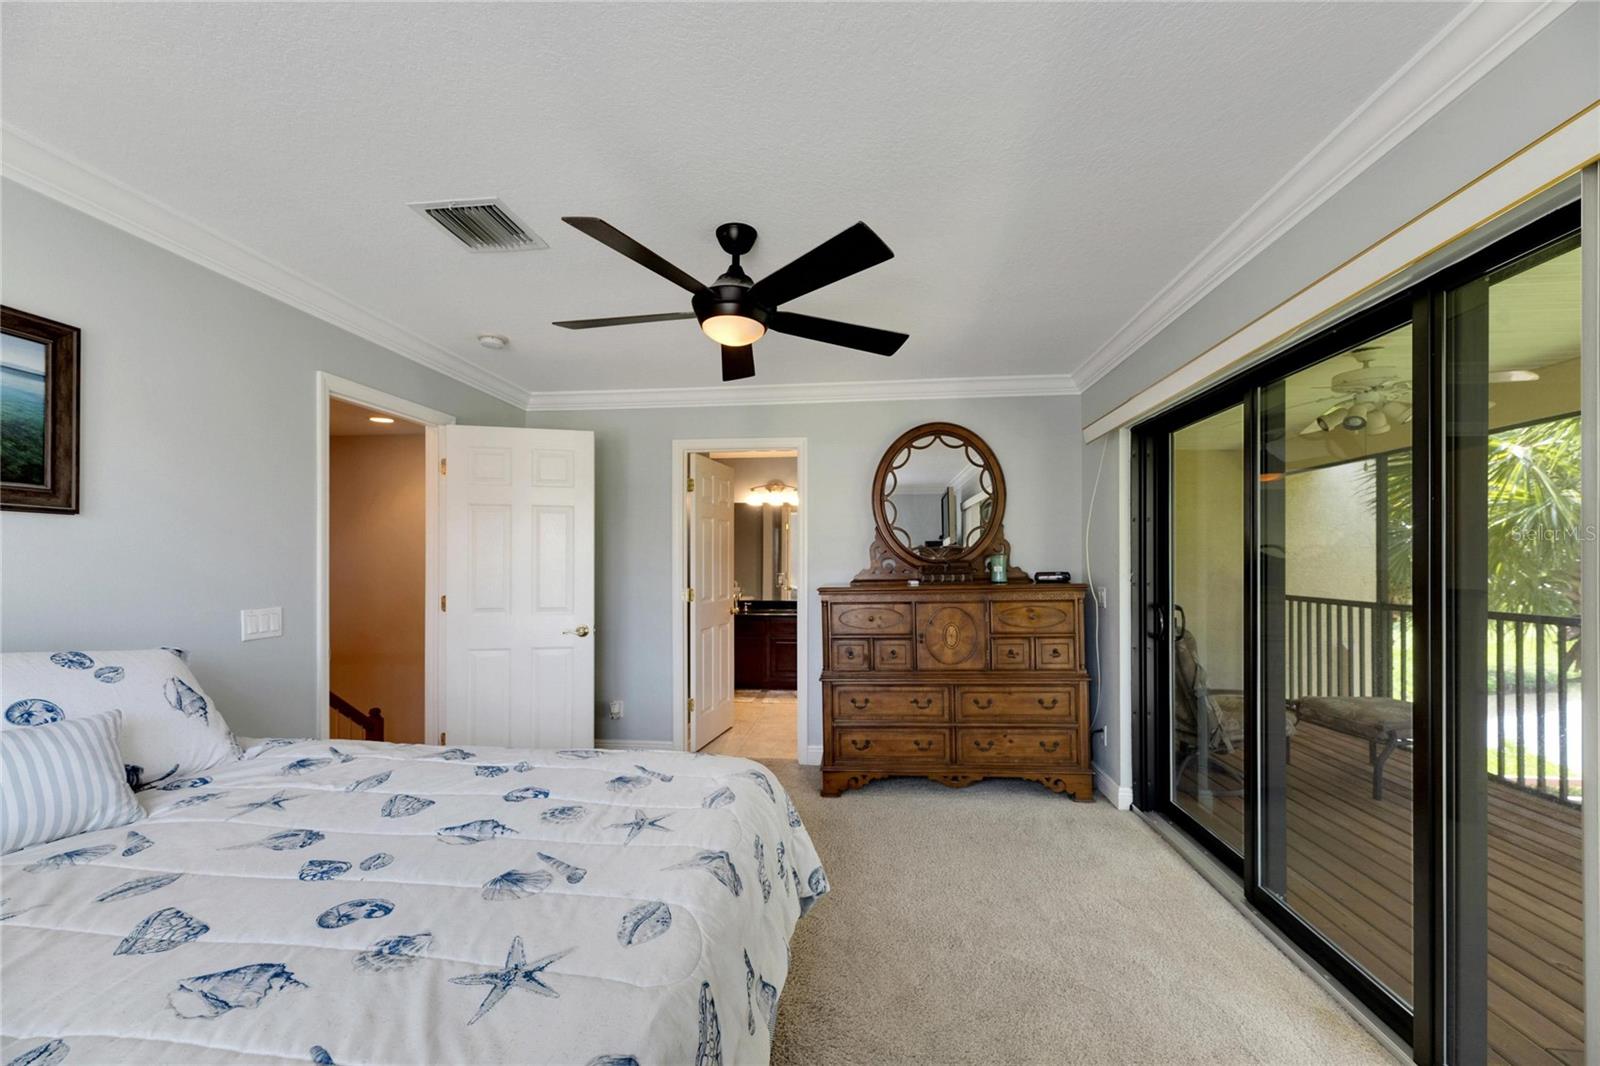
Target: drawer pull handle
(1054,745)
(861,703)
(1055,653)
(891,653)
(1047,706)
(984,745)
(922,745)
(982,705)
(860,745)
(871,618)
(849,653)
(1011,653)
(1032,614)
(922,704)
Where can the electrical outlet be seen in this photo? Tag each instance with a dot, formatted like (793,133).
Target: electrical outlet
(1100,596)
(616,709)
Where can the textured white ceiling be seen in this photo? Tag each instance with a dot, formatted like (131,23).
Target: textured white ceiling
(1039,170)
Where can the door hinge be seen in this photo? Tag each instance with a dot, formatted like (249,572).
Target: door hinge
(688,594)
(444,603)
(444,467)
(691,705)
(691,485)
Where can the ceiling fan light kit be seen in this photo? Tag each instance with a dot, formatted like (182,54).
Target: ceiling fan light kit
(735,312)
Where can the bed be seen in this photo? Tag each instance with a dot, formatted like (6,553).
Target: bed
(382,903)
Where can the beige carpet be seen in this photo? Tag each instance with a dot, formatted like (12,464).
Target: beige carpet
(1003,924)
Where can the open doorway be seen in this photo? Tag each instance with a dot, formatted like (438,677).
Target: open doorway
(356,405)
(377,574)
(742,553)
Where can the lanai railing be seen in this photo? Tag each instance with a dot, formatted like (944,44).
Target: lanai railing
(1533,713)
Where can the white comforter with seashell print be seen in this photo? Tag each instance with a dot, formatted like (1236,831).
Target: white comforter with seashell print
(389,903)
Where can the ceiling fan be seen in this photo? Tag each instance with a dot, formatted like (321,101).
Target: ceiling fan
(1375,398)
(736,312)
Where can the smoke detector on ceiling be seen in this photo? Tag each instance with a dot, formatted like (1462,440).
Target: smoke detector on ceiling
(483,225)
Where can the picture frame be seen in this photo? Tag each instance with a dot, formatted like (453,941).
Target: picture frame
(38,413)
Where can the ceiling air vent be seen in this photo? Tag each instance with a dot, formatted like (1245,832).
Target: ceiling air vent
(481,225)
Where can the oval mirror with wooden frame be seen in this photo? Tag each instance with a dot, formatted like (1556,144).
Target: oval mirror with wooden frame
(938,501)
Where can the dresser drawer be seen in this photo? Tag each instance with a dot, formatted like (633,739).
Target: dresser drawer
(851,655)
(1017,703)
(1017,747)
(1030,616)
(869,619)
(885,703)
(1056,653)
(893,653)
(1013,653)
(900,746)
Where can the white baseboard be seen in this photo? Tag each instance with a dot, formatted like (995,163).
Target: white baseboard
(633,745)
(1120,795)
(812,756)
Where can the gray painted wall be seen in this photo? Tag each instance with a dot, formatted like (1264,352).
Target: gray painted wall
(1542,84)
(197,463)
(1035,439)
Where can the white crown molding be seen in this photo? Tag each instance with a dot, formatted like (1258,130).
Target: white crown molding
(37,166)
(816,392)
(1466,49)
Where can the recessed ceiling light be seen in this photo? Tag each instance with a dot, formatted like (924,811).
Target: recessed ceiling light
(492,341)
(382,420)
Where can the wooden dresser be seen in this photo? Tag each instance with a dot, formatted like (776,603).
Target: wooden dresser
(955,682)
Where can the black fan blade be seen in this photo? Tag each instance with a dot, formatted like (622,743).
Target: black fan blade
(626,320)
(844,334)
(738,362)
(615,239)
(851,252)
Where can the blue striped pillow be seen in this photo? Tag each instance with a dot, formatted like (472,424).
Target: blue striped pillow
(62,779)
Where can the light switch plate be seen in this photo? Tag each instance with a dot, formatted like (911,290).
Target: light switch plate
(616,709)
(259,623)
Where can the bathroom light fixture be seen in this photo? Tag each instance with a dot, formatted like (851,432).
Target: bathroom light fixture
(492,341)
(773,494)
(382,420)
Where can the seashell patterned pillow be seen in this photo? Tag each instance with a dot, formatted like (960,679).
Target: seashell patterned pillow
(171,730)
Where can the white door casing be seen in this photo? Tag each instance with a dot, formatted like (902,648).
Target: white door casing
(712,608)
(517,554)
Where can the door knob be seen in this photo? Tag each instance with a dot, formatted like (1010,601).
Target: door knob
(581,631)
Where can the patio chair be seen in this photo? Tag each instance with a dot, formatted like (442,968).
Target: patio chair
(1383,723)
(1217,715)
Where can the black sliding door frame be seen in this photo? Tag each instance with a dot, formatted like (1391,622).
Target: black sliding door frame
(1446,1020)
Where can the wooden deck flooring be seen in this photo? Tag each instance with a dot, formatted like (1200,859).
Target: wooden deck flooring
(1349,875)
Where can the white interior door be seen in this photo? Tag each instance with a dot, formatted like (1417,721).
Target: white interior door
(517,522)
(713,605)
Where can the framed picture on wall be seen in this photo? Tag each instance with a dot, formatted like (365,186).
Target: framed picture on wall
(38,414)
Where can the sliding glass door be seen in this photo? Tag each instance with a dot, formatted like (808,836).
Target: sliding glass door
(1334,606)
(1206,617)
(1510,339)
(1360,678)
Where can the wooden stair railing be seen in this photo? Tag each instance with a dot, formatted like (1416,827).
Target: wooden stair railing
(369,722)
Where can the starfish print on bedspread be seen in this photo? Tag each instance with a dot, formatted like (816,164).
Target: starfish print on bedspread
(640,823)
(274,802)
(518,973)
